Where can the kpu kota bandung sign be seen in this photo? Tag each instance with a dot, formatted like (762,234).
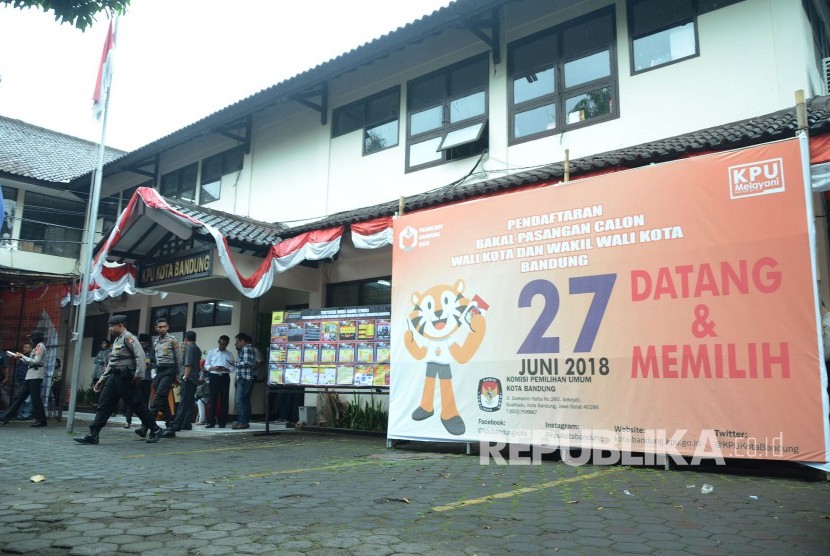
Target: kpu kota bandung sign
(670,308)
(184,267)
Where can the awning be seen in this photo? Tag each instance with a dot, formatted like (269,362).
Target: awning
(148,218)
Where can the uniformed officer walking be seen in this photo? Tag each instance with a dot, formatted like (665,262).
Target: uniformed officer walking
(121,378)
(167,371)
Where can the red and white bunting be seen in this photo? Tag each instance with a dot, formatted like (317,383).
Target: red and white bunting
(372,233)
(314,245)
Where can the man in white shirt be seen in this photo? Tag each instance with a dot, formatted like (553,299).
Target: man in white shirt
(218,363)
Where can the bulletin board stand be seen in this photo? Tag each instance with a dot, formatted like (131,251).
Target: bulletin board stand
(273,389)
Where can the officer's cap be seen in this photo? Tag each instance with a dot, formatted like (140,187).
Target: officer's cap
(118,319)
(144,338)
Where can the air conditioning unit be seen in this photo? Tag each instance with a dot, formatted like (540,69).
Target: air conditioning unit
(825,75)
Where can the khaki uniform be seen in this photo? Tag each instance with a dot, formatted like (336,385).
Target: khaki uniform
(127,355)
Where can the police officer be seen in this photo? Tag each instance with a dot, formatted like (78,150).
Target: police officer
(120,380)
(167,371)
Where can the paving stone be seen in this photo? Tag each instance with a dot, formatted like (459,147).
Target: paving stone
(141,546)
(71,542)
(281,513)
(372,550)
(94,549)
(148,531)
(26,546)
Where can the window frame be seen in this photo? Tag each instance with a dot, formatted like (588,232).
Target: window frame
(213,321)
(632,37)
(448,96)
(361,293)
(180,173)
(367,123)
(154,316)
(561,94)
(54,225)
(97,328)
(227,165)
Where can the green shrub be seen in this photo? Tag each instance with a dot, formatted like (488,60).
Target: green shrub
(369,417)
(86,397)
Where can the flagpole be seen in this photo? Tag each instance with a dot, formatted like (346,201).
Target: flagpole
(86,258)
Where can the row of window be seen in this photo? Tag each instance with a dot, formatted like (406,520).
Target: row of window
(48,224)
(561,78)
(181,183)
(374,291)
(205,313)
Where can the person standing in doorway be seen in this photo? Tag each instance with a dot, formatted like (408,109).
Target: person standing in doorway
(245,377)
(35,374)
(166,348)
(101,360)
(121,377)
(218,363)
(189,381)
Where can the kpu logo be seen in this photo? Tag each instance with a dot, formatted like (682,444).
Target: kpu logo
(756,178)
(489,394)
(408,238)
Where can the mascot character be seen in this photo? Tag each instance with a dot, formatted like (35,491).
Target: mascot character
(444,326)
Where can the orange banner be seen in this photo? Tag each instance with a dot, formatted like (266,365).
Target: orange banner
(669,309)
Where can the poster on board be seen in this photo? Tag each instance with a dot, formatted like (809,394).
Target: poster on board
(670,308)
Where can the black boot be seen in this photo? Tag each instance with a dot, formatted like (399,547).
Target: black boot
(154,435)
(88,439)
(141,431)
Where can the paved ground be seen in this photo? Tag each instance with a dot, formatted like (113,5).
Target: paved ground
(312,493)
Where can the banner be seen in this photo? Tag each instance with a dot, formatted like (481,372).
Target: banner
(668,309)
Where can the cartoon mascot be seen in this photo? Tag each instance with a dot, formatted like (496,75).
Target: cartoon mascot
(443,326)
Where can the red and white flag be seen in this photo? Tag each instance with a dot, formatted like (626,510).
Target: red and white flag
(99,97)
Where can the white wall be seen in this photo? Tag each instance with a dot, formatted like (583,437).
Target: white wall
(753,56)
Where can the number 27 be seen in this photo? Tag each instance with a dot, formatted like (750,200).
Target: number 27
(600,285)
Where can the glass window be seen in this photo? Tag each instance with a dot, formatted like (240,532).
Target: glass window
(662,31)
(213,168)
(52,225)
(580,82)
(467,107)
(590,68)
(180,184)
(212,313)
(176,316)
(534,85)
(7,218)
(97,327)
(664,47)
(462,136)
(425,151)
(593,104)
(347,119)
(427,91)
(426,120)
(377,116)
(133,318)
(380,137)
(211,192)
(587,34)
(374,291)
(535,120)
(450,101)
